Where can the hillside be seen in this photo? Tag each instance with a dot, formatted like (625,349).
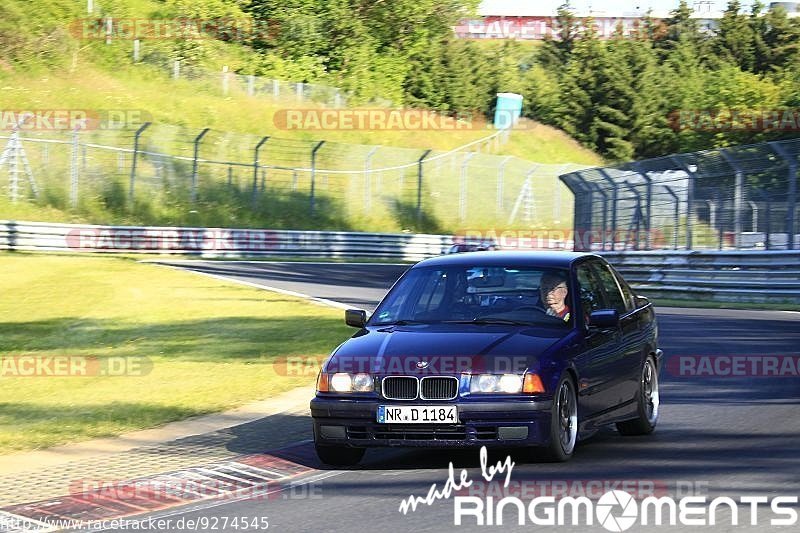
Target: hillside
(47,67)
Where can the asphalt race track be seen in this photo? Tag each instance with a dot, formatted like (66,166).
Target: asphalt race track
(732,436)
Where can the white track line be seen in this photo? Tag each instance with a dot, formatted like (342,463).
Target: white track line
(210,505)
(321,301)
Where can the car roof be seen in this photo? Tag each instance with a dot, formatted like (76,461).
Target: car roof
(555,259)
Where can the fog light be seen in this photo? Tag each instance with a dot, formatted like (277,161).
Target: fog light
(512,433)
(332,432)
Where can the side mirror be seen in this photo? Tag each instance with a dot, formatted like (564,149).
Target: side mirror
(356,318)
(641,301)
(604,319)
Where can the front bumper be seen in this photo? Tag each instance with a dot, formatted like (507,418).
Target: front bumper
(506,422)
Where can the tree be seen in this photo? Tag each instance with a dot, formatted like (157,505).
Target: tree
(759,25)
(782,39)
(679,27)
(734,38)
(580,85)
(557,48)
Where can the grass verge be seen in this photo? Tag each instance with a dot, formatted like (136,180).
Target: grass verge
(209,345)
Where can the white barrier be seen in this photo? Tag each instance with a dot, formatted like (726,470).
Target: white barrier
(739,276)
(723,276)
(218,242)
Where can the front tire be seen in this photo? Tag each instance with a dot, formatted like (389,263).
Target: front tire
(648,400)
(339,455)
(563,422)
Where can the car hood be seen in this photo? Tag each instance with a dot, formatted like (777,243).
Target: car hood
(443,349)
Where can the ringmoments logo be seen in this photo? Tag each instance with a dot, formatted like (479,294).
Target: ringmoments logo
(615,510)
(618,510)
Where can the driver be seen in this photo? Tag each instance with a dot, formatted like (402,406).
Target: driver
(553,292)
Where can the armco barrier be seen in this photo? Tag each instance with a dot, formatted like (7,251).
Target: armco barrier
(725,276)
(215,242)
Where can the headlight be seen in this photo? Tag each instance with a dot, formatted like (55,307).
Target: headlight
(341,382)
(344,382)
(362,383)
(510,383)
(507,383)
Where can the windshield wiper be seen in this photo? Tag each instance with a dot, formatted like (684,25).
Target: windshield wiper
(489,320)
(402,323)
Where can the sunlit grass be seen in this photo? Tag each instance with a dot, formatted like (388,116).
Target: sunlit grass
(212,345)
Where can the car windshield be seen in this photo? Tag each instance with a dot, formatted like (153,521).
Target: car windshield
(477,294)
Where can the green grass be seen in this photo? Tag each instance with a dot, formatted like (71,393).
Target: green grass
(212,345)
(179,110)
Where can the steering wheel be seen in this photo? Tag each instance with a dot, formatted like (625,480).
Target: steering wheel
(533,307)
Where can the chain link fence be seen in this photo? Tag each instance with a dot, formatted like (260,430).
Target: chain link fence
(160,173)
(742,197)
(227,83)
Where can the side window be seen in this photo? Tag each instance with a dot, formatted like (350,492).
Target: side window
(432,293)
(614,299)
(627,293)
(589,290)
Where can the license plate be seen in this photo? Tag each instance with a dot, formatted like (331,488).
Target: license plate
(417,414)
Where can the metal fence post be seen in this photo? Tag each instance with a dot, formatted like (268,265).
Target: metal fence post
(314,173)
(677,215)
(602,193)
(791,200)
(134,158)
(648,203)
(225,84)
(194,162)
(768,219)
(419,184)
(614,199)
(73,168)
(462,203)
(368,179)
(500,182)
(255,167)
(582,216)
(637,214)
(738,197)
(691,171)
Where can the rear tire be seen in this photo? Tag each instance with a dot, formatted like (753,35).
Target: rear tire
(648,401)
(339,455)
(563,423)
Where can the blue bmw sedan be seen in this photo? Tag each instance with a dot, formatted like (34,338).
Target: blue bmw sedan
(534,349)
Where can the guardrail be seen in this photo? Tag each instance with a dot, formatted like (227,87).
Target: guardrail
(217,242)
(725,276)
